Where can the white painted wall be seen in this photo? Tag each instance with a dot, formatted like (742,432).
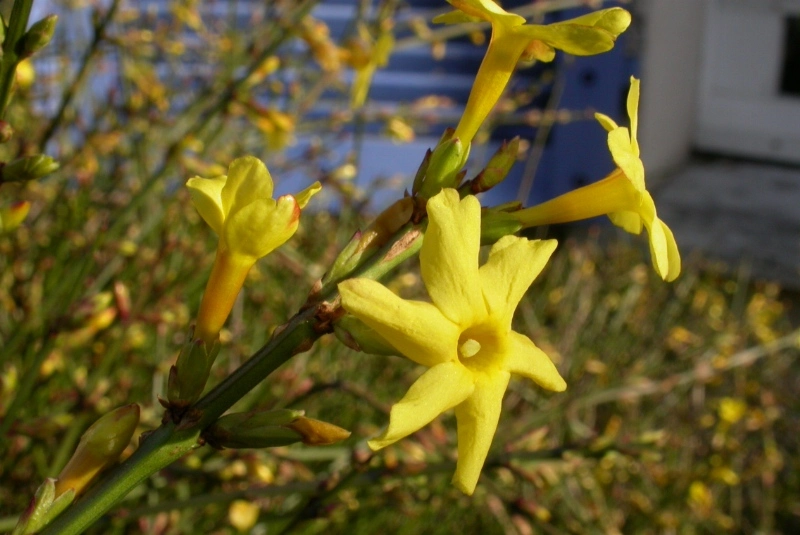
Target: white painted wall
(672,33)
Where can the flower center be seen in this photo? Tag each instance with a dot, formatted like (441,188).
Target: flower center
(469,348)
(481,347)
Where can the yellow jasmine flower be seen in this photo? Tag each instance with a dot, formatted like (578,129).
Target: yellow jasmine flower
(621,195)
(465,335)
(250,224)
(512,39)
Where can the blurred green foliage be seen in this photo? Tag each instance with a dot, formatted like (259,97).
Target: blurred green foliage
(681,414)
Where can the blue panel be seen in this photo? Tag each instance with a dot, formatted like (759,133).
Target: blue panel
(576,153)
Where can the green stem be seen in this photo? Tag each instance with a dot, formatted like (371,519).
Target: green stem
(17,24)
(170,442)
(26,387)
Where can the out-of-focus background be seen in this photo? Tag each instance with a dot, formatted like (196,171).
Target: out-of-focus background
(681,412)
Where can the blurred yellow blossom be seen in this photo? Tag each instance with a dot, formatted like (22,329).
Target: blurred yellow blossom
(731,410)
(365,55)
(465,336)
(243,515)
(11,217)
(25,74)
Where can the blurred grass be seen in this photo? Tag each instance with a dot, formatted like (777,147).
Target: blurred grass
(681,414)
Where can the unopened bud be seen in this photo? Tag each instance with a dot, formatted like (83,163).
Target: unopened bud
(28,168)
(100,446)
(497,168)
(254,429)
(43,508)
(387,223)
(37,37)
(355,334)
(189,375)
(364,244)
(421,171)
(317,432)
(447,159)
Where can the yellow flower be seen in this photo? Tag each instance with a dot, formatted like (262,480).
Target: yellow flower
(621,195)
(465,335)
(512,39)
(250,224)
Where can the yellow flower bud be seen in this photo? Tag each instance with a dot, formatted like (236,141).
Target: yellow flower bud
(100,446)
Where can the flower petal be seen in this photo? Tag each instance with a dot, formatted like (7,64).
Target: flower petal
(304,196)
(248,180)
(633,113)
(619,142)
(673,254)
(418,330)
(614,20)
(512,266)
(488,11)
(449,257)
(573,39)
(206,194)
(629,221)
(477,421)
(527,360)
(261,226)
(606,121)
(439,389)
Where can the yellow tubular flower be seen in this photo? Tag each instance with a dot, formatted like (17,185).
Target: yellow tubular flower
(621,195)
(465,335)
(250,224)
(512,38)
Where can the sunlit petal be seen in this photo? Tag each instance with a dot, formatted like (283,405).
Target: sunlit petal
(439,389)
(477,422)
(527,360)
(512,266)
(417,329)
(633,113)
(206,194)
(248,179)
(304,196)
(449,257)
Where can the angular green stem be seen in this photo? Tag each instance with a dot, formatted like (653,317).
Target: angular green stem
(171,441)
(17,24)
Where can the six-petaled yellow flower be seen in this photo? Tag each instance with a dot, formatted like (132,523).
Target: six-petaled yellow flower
(512,40)
(250,224)
(465,335)
(621,195)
